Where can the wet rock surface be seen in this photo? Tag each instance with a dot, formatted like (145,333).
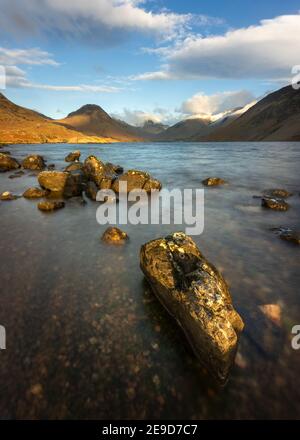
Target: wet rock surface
(34,162)
(287,234)
(53,180)
(74,156)
(17,175)
(35,193)
(8,163)
(50,205)
(117,169)
(274,204)
(136,180)
(91,190)
(277,192)
(197,296)
(74,166)
(7,196)
(114,235)
(94,169)
(152,185)
(213,181)
(74,184)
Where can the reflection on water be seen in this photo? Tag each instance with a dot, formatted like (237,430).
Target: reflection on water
(85,336)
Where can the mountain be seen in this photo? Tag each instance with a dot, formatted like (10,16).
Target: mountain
(153,128)
(184,130)
(21,125)
(94,121)
(274,118)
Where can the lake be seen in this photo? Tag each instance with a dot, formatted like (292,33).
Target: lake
(85,336)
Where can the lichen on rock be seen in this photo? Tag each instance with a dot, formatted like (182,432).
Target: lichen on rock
(197,296)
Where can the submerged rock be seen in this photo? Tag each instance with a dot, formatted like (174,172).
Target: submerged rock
(275,204)
(51,167)
(197,296)
(114,235)
(34,162)
(74,156)
(273,312)
(287,234)
(16,175)
(277,192)
(213,181)
(35,193)
(7,195)
(8,163)
(50,205)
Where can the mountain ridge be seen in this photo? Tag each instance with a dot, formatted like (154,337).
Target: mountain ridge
(275,117)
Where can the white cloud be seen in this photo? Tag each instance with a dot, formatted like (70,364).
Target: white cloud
(34,56)
(267,51)
(15,77)
(101,21)
(150,76)
(201,104)
(139,117)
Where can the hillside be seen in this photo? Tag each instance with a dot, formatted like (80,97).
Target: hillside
(21,125)
(184,130)
(94,121)
(274,118)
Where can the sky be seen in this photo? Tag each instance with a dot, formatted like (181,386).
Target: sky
(146,59)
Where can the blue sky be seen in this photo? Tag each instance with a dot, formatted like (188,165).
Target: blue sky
(139,59)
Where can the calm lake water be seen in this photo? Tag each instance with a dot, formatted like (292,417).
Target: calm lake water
(86,338)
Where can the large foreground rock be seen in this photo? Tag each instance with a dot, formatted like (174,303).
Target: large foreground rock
(34,162)
(8,163)
(197,296)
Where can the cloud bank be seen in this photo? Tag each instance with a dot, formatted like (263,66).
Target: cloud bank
(267,51)
(202,104)
(105,22)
